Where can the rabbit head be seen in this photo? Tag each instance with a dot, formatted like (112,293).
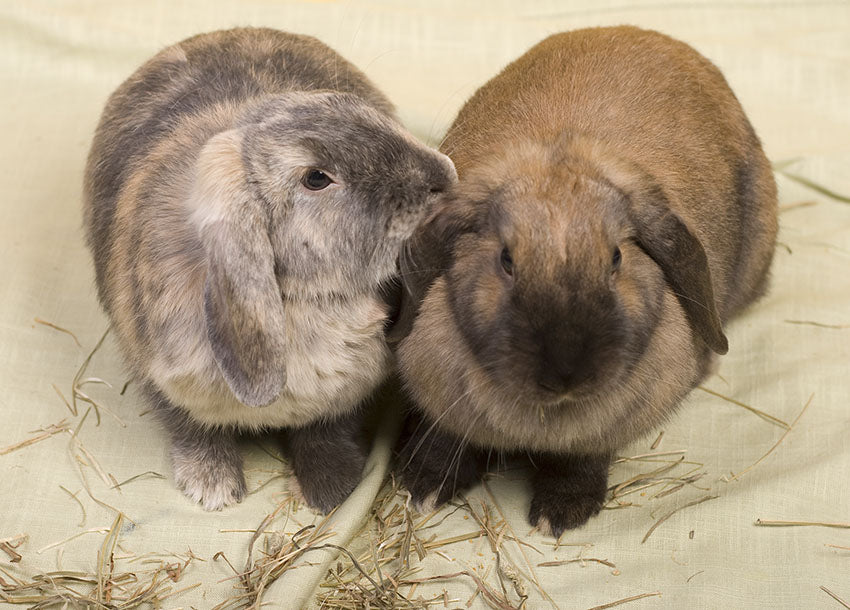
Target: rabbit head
(556,259)
(311,196)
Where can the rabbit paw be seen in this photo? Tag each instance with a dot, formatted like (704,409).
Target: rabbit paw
(327,459)
(567,491)
(326,484)
(210,475)
(553,516)
(434,465)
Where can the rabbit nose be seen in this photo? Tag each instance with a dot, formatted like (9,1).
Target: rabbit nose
(560,380)
(565,366)
(445,175)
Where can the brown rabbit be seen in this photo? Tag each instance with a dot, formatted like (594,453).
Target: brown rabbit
(615,209)
(246,198)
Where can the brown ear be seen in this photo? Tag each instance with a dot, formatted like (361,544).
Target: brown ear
(667,239)
(671,244)
(429,254)
(242,300)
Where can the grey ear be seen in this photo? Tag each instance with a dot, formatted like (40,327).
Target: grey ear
(242,300)
(670,243)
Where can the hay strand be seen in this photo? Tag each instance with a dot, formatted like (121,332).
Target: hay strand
(835,597)
(780,523)
(673,512)
(797,205)
(40,435)
(736,477)
(818,324)
(657,441)
(759,412)
(811,184)
(64,400)
(74,497)
(626,600)
(149,473)
(79,375)
(552,564)
(75,443)
(9,549)
(59,328)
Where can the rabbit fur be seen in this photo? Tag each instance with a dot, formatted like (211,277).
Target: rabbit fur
(614,210)
(246,197)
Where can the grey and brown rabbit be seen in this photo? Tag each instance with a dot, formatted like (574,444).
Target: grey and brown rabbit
(246,198)
(614,210)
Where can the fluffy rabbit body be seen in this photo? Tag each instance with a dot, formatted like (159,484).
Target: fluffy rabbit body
(614,210)
(246,197)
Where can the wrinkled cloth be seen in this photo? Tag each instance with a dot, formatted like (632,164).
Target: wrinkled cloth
(789,64)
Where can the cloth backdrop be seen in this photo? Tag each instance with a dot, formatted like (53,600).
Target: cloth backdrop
(789,64)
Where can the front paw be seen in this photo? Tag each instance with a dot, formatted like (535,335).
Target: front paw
(324,482)
(554,515)
(430,486)
(212,479)
(567,491)
(327,459)
(434,465)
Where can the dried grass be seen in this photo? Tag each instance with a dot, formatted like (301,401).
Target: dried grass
(280,554)
(59,328)
(149,473)
(736,477)
(673,512)
(626,600)
(780,523)
(8,546)
(76,444)
(78,377)
(657,441)
(793,206)
(835,597)
(760,413)
(818,324)
(40,435)
(671,477)
(396,539)
(581,560)
(106,588)
(780,167)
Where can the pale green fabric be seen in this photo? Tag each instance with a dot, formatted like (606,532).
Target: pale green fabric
(789,63)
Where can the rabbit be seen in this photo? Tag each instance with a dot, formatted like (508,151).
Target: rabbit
(614,211)
(247,194)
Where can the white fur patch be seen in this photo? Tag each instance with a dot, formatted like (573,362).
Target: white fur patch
(294,488)
(219,179)
(544,526)
(428,503)
(202,483)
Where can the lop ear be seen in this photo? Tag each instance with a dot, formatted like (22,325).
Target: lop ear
(667,239)
(428,255)
(242,300)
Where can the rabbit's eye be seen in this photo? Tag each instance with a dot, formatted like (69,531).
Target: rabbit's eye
(507,262)
(316,180)
(616,259)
